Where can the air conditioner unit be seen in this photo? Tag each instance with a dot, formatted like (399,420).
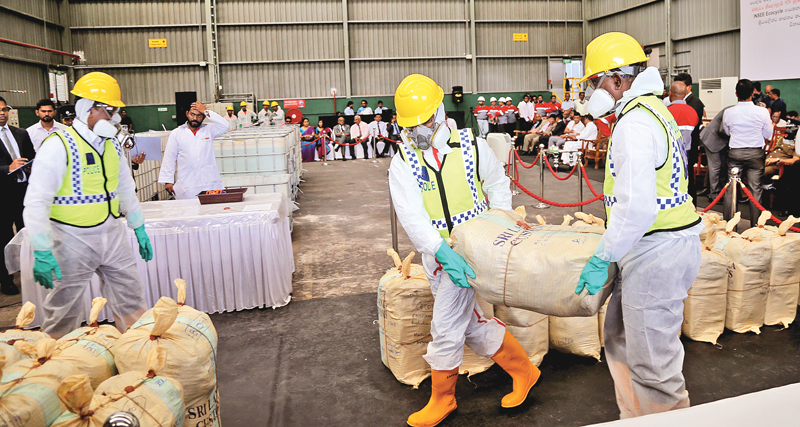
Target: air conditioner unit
(717,94)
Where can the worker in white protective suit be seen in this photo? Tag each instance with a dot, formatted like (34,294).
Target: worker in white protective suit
(431,196)
(652,231)
(233,121)
(79,186)
(246,116)
(191,147)
(278,116)
(265,113)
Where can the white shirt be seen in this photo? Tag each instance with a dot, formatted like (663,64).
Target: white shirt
(567,105)
(246,118)
(365,110)
(526,110)
(747,124)
(378,128)
(194,153)
(582,107)
(589,132)
(379,110)
(349,111)
(47,177)
(407,196)
(38,133)
(359,131)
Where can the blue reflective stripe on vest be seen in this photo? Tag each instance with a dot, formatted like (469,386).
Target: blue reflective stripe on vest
(84,199)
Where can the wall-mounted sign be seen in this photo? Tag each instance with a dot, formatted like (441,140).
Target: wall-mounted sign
(520,37)
(152,43)
(294,103)
(162,109)
(567,60)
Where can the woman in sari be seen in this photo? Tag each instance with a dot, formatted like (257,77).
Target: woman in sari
(308,135)
(323,143)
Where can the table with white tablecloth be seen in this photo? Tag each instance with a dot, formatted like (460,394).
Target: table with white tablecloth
(233,256)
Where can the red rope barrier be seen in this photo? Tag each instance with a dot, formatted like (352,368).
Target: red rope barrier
(586,178)
(719,197)
(574,168)
(516,153)
(761,208)
(350,145)
(561,205)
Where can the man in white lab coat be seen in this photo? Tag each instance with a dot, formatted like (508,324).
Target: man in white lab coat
(192,146)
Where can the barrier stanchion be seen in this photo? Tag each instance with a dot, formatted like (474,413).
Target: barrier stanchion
(578,162)
(325,150)
(512,169)
(541,205)
(393,221)
(735,195)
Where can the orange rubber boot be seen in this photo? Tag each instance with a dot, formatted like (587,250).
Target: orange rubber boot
(513,359)
(443,400)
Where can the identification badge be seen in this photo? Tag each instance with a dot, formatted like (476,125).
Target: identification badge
(89,158)
(425,176)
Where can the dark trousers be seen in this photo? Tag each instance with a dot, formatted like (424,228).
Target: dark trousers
(510,128)
(344,148)
(691,159)
(786,190)
(750,162)
(717,165)
(10,215)
(365,146)
(387,144)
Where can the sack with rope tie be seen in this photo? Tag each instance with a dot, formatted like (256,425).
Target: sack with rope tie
(18,333)
(191,342)
(91,348)
(711,220)
(576,335)
(531,329)
(405,311)
(28,388)
(155,400)
(748,281)
(704,309)
(532,267)
(784,278)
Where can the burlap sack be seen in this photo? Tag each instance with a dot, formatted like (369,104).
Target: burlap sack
(575,335)
(784,278)
(91,348)
(704,309)
(405,310)
(156,401)
(28,388)
(531,329)
(748,282)
(711,220)
(601,322)
(190,340)
(535,268)
(10,336)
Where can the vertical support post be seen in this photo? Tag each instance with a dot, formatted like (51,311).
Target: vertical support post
(541,205)
(512,170)
(346,38)
(578,164)
(668,39)
(473,46)
(211,47)
(393,221)
(734,193)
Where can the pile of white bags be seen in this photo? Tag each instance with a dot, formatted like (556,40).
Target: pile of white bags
(28,387)
(405,310)
(190,340)
(533,267)
(9,337)
(157,401)
(705,308)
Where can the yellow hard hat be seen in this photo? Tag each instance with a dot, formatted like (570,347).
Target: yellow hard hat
(229,108)
(99,87)
(416,99)
(243,104)
(274,103)
(265,102)
(610,51)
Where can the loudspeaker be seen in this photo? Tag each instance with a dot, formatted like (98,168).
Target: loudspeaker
(458,94)
(183,101)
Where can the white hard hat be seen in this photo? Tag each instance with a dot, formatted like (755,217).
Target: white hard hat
(480,98)
(492,99)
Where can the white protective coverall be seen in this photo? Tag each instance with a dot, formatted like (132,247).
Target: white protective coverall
(264,116)
(81,252)
(456,315)
(246,118)
(194,152)
(278,117)
(644,316)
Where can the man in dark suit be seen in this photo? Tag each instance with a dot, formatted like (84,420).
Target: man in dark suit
(16,149)
(558,130)
(700,109)
(715,140)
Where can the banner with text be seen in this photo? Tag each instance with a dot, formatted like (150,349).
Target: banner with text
(767,26)
(294,103)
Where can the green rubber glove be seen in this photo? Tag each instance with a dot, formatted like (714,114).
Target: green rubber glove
(145,249)
(44,265)
(593,276)
(454,265)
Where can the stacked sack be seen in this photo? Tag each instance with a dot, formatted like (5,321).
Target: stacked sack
(19,334)
(748,282)
(704,310)
(576,335)
(28,389)
(405,311)
(91,348)
(531,267)
(531,329)
(157,401)
(190,340)
(784,276)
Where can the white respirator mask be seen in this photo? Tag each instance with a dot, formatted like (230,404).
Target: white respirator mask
(600,103)
(424,137)
(107,128)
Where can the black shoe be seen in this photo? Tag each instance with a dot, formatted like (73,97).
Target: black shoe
(344,160)
(703,192)
(9,289)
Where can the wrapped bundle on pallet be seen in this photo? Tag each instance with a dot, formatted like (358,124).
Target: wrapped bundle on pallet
(576,335)
(535,267)
(91,348)
(28,389)
(191,342)
(748,283)
(784,278)
(18,333)
(405,310)
(704,309)
(531,329)
(157,401)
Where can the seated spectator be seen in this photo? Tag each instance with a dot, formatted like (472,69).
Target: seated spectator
(364,108)
(323,143)
(582,104)
(574,127)
(568,105)
(394,135)
(777,102)
(535,124)
(360,132)
(308,134)
(378,132)
(558,130)
(575,143)
(287,120)
(349,110)
(380,108)
(533,140)
(341,132)
(777,121)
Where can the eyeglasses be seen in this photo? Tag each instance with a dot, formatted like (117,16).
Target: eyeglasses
(596,80)
(6,109)
(111,110)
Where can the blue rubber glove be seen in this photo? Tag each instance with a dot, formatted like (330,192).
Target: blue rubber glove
(145,249)
(454,265)
(593,276)
(44,265)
